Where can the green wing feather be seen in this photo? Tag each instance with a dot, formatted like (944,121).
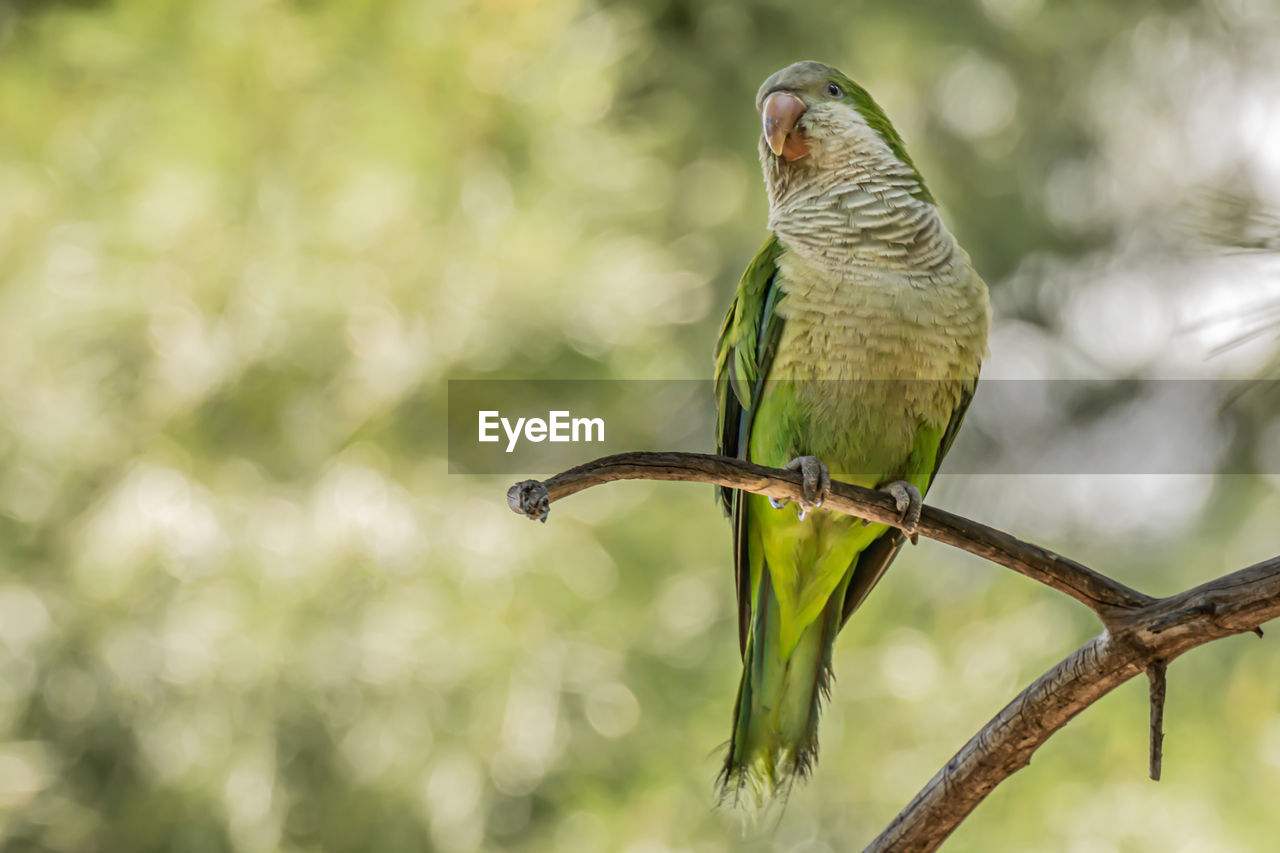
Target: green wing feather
(748,339)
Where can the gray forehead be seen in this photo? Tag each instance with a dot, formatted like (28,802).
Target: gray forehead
(796,76)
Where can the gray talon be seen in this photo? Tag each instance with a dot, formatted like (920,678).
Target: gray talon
(816,482)
(909,503)
(778,503)
(530,499)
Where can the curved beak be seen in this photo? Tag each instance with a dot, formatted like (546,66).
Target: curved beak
(780,112)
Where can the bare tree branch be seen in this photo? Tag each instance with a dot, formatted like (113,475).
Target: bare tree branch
(1160,631)
(1098,592)
(1142,634)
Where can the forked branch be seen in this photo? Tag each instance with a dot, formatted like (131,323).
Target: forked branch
(1141,633)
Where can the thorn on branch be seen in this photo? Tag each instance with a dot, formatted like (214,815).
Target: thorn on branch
(1156,676)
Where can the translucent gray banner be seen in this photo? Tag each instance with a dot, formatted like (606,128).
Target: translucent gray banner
(539,427)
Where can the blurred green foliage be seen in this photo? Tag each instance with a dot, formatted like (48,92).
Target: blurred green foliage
(243,244)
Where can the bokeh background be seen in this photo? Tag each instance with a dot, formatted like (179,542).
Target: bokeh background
(244,244)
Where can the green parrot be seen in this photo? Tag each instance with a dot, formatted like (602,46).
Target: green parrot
(851,350)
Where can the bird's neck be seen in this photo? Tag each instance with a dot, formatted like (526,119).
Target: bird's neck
(863,211)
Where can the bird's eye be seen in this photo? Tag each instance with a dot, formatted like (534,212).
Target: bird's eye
(834,91)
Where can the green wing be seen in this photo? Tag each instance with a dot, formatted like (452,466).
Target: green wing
(748,339)
(876,557)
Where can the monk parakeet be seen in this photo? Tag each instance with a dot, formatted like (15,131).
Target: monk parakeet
(851,350)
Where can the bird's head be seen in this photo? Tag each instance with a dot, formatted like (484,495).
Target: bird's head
(816,118)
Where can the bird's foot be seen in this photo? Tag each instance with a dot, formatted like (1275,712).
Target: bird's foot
(909,503)
(815,487)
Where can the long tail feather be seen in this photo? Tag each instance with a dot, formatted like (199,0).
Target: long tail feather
(775,721)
